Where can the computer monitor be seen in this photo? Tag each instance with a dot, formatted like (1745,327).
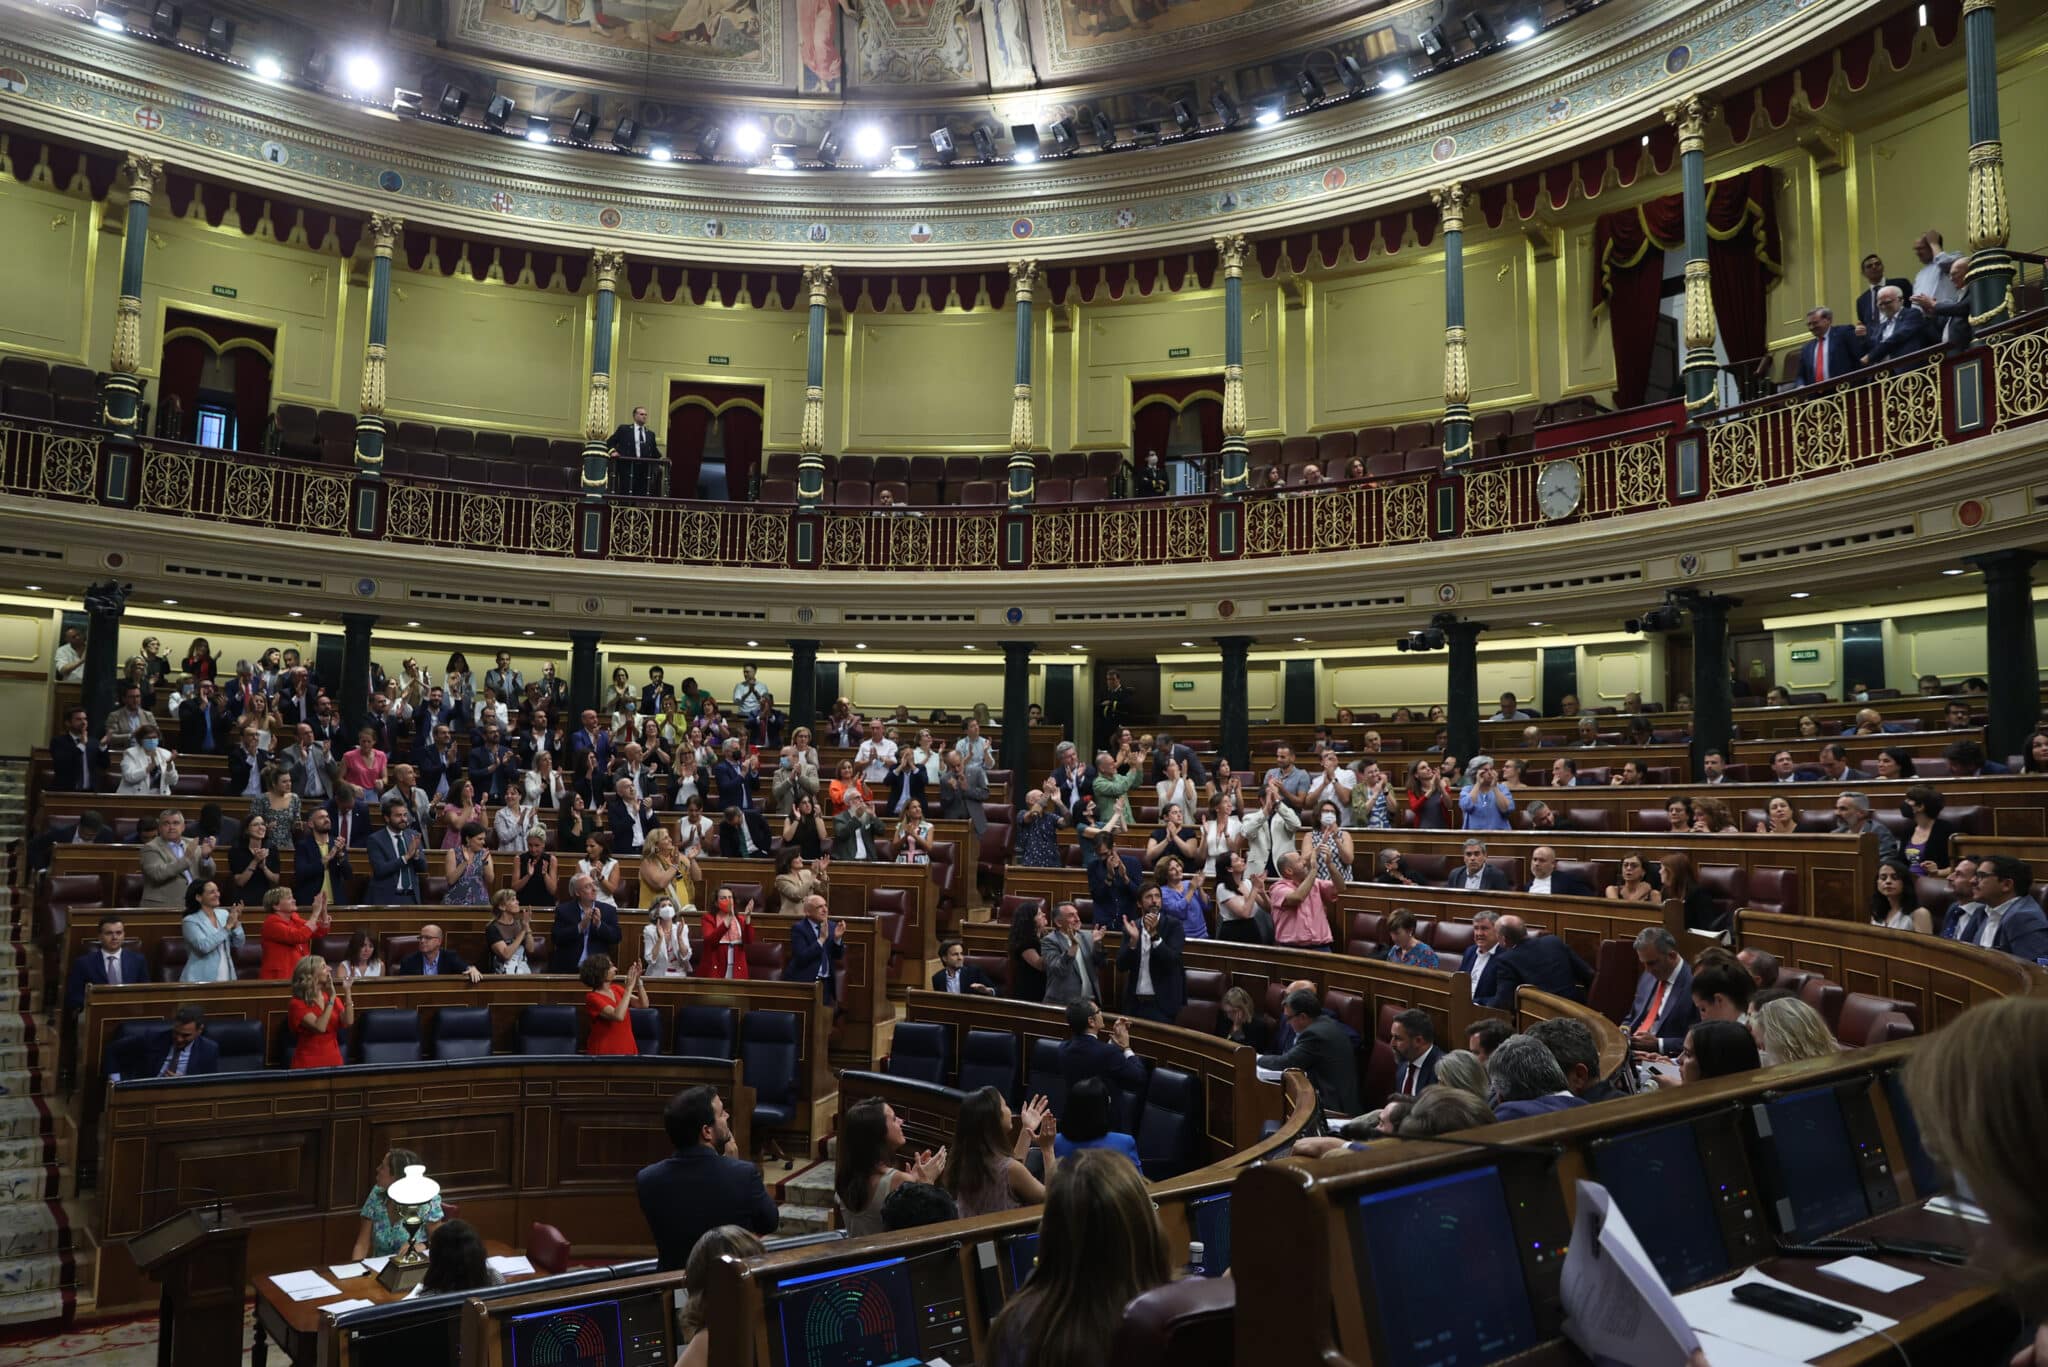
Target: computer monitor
(1928,1177)
(1660,1185)
(1019,1258)
(890,1311)
(1406,1238)
(1807,1163)
(1209,1225)
(624,1331)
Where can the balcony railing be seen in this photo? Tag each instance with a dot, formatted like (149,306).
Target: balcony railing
(1916,404)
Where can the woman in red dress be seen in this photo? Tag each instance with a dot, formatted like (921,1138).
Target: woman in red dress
(726,936)
(317,1013)
(608,1003)
(288,936)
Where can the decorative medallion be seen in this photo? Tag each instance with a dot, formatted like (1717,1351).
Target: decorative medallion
(1021,229)
(1446,593)
(366,588)
(274,152)
(1126,218)
(1227,609)
(115,560)
(593,606)
(714,227)
(1013,615)
(817,232)
(920,233)
(390,182)
(1558,110)
(149,118)
(1334,178)
(1226,203)
(1677,60)
(1444,148)
(501,200)
(609,218)
(1970,513)
(13,80)
(1689,563)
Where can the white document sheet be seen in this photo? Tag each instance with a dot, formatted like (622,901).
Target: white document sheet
(1616,1306)
(1714,1310)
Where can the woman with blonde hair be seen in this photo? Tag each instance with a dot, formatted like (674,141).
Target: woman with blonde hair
(726,1241)
(1787,1030)
(1099,1247)
(1462,1069)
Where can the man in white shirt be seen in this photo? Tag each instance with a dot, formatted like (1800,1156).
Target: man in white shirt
(1479,955)
(877,754)
(747,694)
(973,747)
(70,655)
(1932,278)
(1510,710)
(1333,784)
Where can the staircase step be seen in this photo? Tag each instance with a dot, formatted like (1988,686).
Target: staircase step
(31,1228)
(812,1187)
(803,1220)
(20,1186)
(25,1118)
(37,1273)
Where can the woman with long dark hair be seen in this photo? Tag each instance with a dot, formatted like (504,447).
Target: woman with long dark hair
(455,1261)
(1027,966)
(870,1136)
(986,1171)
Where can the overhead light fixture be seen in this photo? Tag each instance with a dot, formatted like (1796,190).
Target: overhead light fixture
(747,137)
(170,602)
(904,158)
(1225,107)
(753,643)
(527,632)
(828,147)
(539,128)
(626,131)
(984,143)
(1184,117)
(1064,137)
(412,624)
(1309,84)
(1023,143)
(1105,129)
(405,101)
(1801,593)
(112,20)
(582,124)
(1077,646)
(38,588)
(1646,139)
(1535,624)
(268,68)
(1949,574)
(295,614)
(869,142)
(661,151)
(782,156)
(454,99)
(165,18)
(860,645)
(1269,111)
(970,646)
(942,144)
(498,110)
(1524,21)
(1351,73)
(641,639)
(1301,640)
(363,72)
(220,35)
(1393,76)
(1480,30)
(1435,43)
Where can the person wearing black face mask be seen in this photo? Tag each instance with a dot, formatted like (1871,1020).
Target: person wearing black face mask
(1926,848)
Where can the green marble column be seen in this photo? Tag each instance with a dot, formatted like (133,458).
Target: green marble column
(1023,473)
(384,231)
(1991,269)
(121,393)
(1450,206)
(597,417)
(1231,252)
(1702,373)
(810,463)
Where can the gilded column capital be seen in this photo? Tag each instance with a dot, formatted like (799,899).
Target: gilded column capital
(607,262)
(1450,206)
(1689,116)
(1023,279)
(1457,369)
(818,285)
(1990,215)
(1233,251)
(1970,5)
(143,173)
(384,231)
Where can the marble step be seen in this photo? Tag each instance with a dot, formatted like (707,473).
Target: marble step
(812,1187)
(25,1186)
(803,1220)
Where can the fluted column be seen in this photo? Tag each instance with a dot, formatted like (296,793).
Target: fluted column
(384,231)
(1702,374)
(1231,252)
(597,417)
(1990,217)
(1023,474)
(1713,684)
(1016,753)
(1450,206)
(121,394)
(810,464)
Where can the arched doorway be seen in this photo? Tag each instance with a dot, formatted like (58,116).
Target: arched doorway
(714,438)
(1182,420)
(213,381)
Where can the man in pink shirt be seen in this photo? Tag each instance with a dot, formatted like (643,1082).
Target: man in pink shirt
(1296,900)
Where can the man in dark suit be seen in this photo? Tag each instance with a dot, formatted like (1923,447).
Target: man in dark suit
(108,963)
(593,737)
(1546,878)
(76,758)
(1663,1009)
(90,829)
(183,1051)
(433,711)
(203,721)
(633,443)
(1191,768)
(1322,1050)
(433,959)
(1085,1054)
(493,766)
(654,697)
(629,816)
(2009,921)
(1832,352)
(737,773)
(1114,877)
(1949,324)
(320,862)
(1475,874)
(1155,980)
(1897,331)
(1571,1043)
(957,975)
(703,1184)
(583,926)
(350,811)
(1874,280)
(816,944)
(398,860)
(246,763)
(1545,962)
(736,837)
(438,764)
(1412,1036)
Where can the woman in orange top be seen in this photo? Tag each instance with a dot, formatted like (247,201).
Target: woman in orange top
(286,934)
(848,781)
(608,1003)
(726,937)
(317,1014)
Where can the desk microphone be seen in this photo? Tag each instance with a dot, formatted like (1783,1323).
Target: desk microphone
(218,1199)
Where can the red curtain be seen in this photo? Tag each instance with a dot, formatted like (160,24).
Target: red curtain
(1150,426)
(252,397)
(1156,403)
(688,426)
(184,360)
(1743,251)
(742,449)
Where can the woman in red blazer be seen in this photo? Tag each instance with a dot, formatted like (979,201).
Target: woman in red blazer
(727,934)
(286,934)
(609,1004)
(317,1013)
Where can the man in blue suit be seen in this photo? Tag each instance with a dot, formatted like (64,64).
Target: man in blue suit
(1412,1036)
(183,1051)
(398,860)
(1898,331)
(320,862)
(1663,1010)
(2010,921)
(583,926)
(1086,1055)
(110,962)
(1482,954)
(703,1184)
(736,774)
(1832,352)
(816,943)
(1545,962)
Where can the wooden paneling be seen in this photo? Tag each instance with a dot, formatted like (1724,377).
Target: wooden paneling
(1944,978)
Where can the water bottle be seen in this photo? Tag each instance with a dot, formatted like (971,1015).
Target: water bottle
(1195,1255)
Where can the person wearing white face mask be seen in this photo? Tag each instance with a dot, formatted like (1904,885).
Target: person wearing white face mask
(1327,845)
(665,940)
(147,765)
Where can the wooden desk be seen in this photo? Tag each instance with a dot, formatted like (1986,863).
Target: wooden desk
(298,1326)
(1943,978)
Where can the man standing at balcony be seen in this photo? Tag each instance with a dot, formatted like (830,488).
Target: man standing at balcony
(1874,277)
(1950,322)
(1832,352)
(1898,329)
(635,441)
(1933,276)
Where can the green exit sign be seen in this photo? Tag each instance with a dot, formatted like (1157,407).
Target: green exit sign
(1805,657)
(721,360)
(1178,353)
(1183,685)
(224,291)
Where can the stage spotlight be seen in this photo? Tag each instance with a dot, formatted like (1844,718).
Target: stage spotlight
(625,131)
(268,68)
(828,147)
(1480,31)
(220,35)
(1351,73)
(111,18)
(1064,138)
(317,67)
(1269,111)
(869,143)
(1105,129)
(942,144)
(538,127)
(454,99)
(984,144)
(1435,43)
(1225,107)
(748,138)
(363,73)
(660,151)
(1309,84)
(582,124)
(498,110)
(1184,117)
(904,158)
(1393,76)
(1023,143)
(782,156)
(1524,22)
(164,19)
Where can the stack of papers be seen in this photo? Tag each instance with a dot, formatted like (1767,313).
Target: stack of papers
(514,1265)
(1714,1310)
(338,1306)
(1956,1205)
(1859,1271)
(305,1286)
(341,1272)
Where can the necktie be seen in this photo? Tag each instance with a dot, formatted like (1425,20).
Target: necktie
(206,714)
(113,970)
(1820,359)
(1407,1079)
(404,869)
(174,1062)
(1649,1021)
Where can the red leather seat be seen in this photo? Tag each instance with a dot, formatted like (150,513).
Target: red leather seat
(1587,819)
(1861,1009)
(1616,970)
(1826,998)
(1778,890)
(1188,1323)
(1014,905)
(547,1249)
(1450,940)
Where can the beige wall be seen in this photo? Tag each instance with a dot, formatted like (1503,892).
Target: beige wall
(47,272)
